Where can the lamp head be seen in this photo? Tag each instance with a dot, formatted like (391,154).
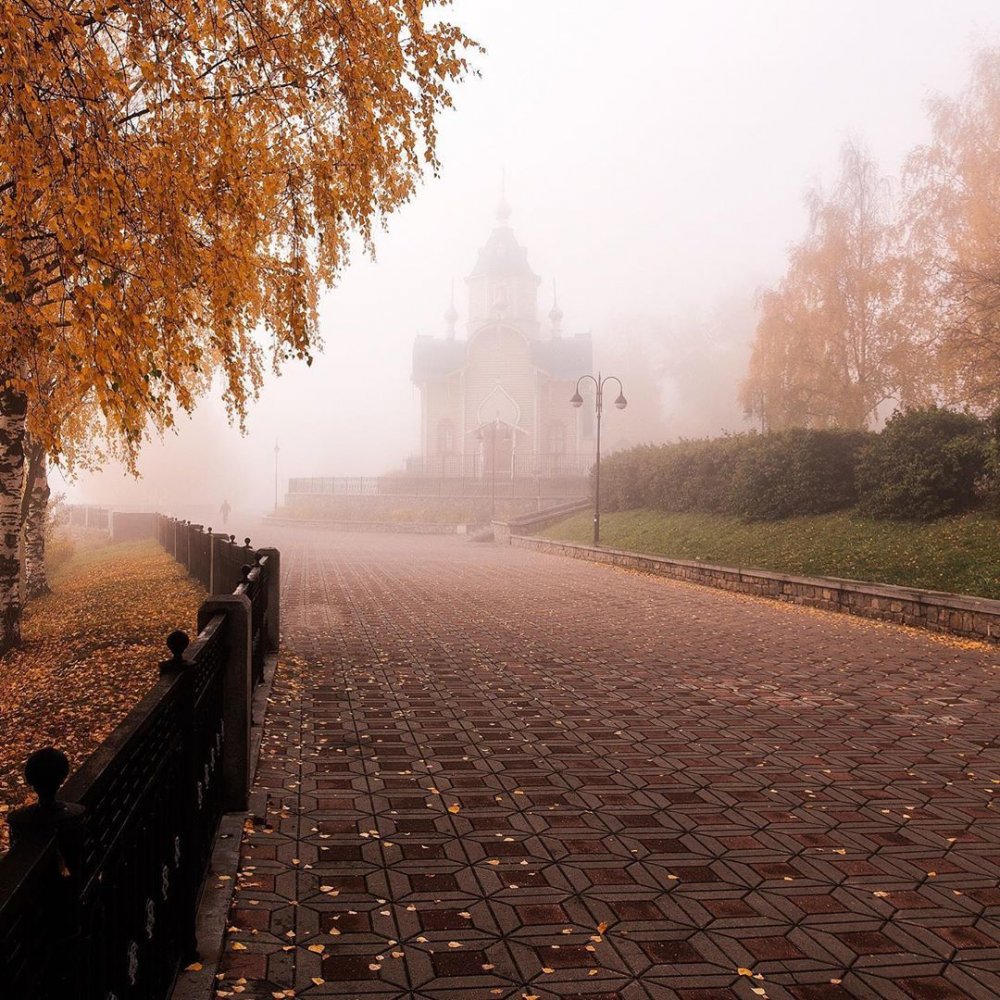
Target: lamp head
(621,402)
(576,399)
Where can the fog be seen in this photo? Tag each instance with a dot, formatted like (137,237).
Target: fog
(655,156)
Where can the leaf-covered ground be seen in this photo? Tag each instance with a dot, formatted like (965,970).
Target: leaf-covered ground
(956,554)
(91,650)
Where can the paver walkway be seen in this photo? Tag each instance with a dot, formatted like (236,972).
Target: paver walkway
(495,773)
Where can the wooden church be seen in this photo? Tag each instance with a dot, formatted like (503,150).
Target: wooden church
(495,402)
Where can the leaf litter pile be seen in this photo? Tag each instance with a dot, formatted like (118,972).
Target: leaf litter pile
(91,651)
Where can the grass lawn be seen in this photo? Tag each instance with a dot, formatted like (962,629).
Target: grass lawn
(91,651)
(959,554)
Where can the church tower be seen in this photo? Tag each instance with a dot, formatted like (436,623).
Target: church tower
(497,402)
(502,285)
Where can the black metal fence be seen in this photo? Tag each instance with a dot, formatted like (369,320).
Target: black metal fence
(99,902)
(83,515)
(432,485)
(217,561)
(520,464)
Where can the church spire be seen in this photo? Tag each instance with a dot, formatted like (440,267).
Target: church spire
(555,314)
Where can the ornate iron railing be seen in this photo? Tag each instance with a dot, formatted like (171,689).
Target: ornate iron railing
(102,907)
(223,566)
(98,898)
(431,483)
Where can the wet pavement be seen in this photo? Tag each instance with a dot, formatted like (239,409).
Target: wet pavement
(492,773)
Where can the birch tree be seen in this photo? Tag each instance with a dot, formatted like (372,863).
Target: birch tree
(952,210)
(177,183)
(833,343)
(34,522)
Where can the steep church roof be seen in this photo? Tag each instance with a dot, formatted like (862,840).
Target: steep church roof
(434,358)
(503,256)
(563,357)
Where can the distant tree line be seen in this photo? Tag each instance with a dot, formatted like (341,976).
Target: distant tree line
(892,298)
(924,464)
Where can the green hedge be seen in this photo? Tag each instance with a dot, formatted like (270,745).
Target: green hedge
(755,476)
(924,464)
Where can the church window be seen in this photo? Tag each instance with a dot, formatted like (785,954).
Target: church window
(445,437)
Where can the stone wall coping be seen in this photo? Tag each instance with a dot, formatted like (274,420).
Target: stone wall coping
(889,591)
(402,527)
(527,520)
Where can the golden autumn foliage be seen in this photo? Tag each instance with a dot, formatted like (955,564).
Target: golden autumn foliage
(177,182)
(91,652)
(177,178)
(952,210)
(893,300)
(832,343)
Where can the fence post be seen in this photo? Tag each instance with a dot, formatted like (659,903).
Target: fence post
(190,880)
(236,692)
(211,562)
(273,597)
(45,771)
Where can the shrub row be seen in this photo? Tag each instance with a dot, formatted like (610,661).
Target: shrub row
(924,464)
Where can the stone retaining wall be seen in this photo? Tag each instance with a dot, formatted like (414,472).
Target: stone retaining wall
(971,617)
(415,509)
(399,527)
(503,531)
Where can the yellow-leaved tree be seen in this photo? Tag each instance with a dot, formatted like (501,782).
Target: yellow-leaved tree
(177,178)
(952,210)
(835,338)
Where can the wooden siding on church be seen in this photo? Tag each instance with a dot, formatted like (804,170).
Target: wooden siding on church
(501,355)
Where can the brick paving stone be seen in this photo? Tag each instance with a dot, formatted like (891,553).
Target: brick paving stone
(496,773)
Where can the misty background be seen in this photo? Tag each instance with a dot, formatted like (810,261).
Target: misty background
(656,154)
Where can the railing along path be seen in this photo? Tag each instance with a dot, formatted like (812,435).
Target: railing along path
(99,891)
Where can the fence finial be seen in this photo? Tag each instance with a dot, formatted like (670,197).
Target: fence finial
(177,642)
(45,771)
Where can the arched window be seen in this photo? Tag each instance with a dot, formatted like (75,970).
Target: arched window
(445,437)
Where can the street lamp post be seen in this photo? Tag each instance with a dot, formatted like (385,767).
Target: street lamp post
(276,449)
(495,424)
(621,402)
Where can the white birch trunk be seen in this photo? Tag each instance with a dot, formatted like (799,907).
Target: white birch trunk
(36,516)
(13,409)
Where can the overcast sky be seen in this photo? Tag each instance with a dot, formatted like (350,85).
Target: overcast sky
(656,155)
